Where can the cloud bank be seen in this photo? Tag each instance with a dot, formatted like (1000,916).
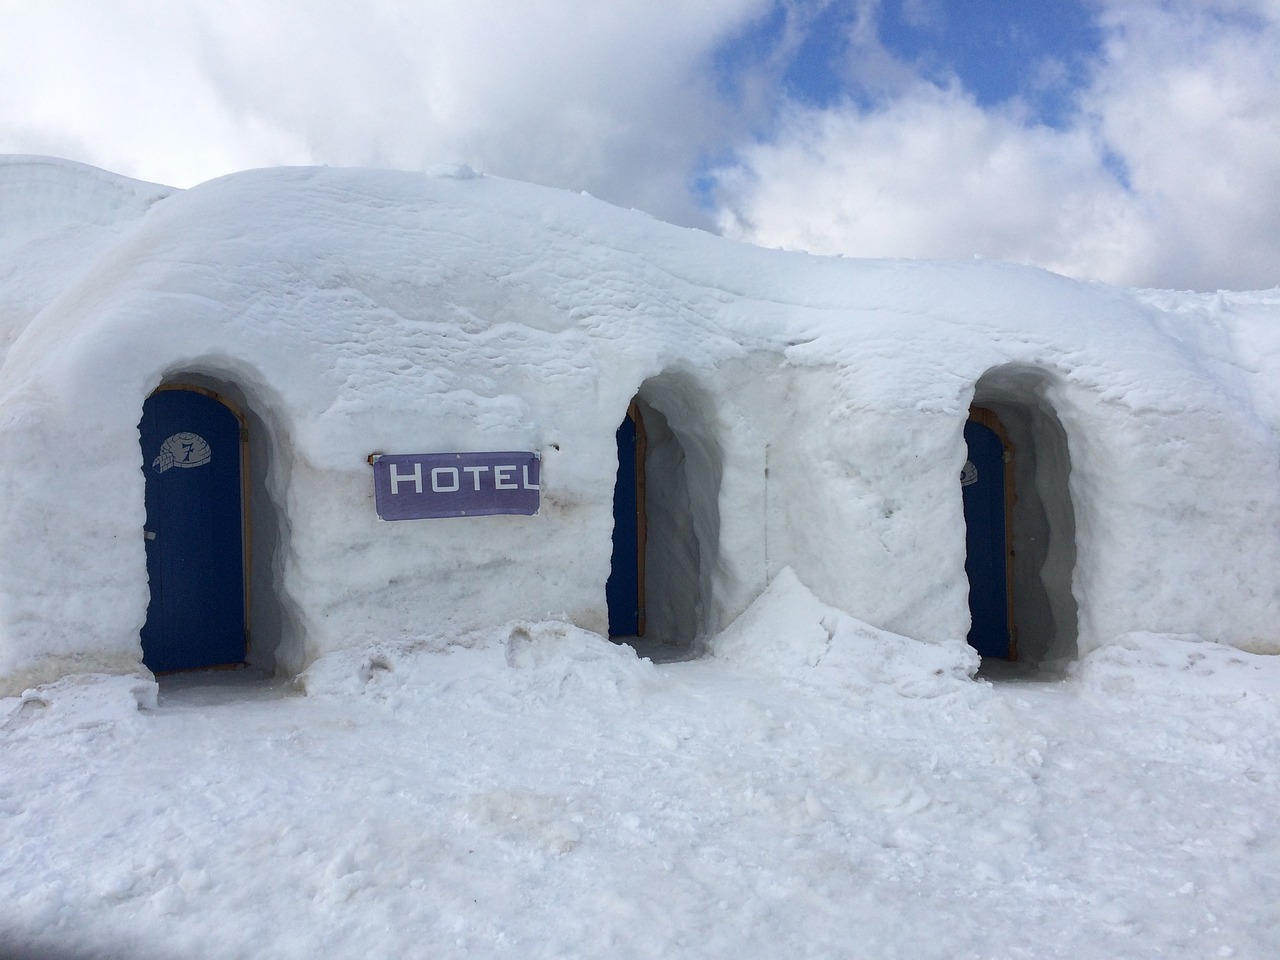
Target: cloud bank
(614,98)
(1166,174)
(1163,171)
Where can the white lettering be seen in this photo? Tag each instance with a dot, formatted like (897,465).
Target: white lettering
(436,472)
(502,478)
(397,479)
(475,474)
(527,484)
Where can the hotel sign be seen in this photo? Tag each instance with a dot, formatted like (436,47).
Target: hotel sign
(419,486)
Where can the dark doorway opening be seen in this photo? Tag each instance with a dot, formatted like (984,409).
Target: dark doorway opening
(1014,425)
(666,520)
(625,587)
(987,487)
(194,459)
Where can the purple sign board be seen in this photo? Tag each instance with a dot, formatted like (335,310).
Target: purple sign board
(419,486)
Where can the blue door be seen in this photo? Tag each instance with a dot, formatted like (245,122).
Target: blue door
(983,485)
(194,536)
(622,591)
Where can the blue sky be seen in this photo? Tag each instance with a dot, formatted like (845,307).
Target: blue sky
(999,49)
(996,49)
(1132,141)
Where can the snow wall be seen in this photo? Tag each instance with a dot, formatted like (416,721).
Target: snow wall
(803,412)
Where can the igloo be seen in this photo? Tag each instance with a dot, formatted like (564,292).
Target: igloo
(198,388)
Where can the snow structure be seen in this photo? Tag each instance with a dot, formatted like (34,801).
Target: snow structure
(802,412)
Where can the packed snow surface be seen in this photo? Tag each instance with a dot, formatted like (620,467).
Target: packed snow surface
(540,792)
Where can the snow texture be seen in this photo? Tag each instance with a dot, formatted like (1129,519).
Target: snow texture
(536,791)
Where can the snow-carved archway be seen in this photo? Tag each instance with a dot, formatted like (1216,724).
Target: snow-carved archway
(1041,515)
(681,468)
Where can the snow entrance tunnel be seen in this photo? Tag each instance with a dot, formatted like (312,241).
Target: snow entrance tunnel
(666,519)
(1034,528)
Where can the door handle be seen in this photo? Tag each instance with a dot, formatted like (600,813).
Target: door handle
(148,534)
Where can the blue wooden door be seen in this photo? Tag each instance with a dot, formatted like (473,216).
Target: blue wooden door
(195,553)
(622,591)
(983,486)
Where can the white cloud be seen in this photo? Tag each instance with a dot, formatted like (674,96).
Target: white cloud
(931,175)
(1185,107)
(615,98)
(1190,99)
(619,98)
(120,85)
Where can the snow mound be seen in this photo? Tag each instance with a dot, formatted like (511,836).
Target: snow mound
(56,217)
(44,195)
(384,668)
(790,631)
(1169,665)
(453,171)
(536,660)
(82,702)
(563,660)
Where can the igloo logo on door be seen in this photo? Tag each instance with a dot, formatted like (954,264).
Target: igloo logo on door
(183,450)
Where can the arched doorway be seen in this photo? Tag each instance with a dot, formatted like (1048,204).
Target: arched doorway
(1019,516)
(988,491)
(625,587)
(666,520)
(194,458)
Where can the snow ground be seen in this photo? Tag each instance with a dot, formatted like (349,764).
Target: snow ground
(540,792)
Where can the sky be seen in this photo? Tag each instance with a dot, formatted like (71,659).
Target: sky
(1131,141)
